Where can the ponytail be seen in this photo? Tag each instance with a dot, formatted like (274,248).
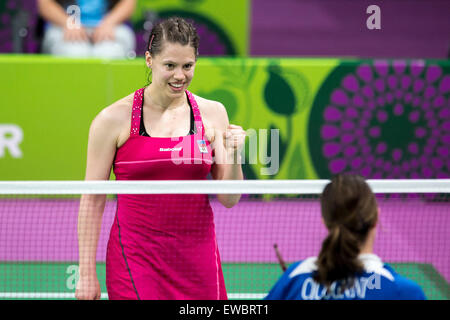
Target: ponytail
(349,211)
(338,258)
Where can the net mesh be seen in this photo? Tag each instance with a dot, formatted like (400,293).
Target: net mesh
(39,244)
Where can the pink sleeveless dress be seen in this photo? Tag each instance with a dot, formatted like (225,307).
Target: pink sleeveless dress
(163,246)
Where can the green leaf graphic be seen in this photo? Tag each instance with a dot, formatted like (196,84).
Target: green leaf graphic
(278,94)
(282,148)
(226,97)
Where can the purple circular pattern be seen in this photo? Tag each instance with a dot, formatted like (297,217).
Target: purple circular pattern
(371,102)
(8,11)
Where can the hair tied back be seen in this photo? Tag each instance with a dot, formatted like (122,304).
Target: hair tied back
(151,40)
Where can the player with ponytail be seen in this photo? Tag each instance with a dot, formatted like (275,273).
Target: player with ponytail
(346,267)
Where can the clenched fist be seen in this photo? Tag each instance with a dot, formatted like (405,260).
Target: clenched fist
(233,140)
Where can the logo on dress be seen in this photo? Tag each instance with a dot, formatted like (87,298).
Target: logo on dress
(170,149)
(202,146)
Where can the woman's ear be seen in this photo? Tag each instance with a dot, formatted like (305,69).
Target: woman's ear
(148,59)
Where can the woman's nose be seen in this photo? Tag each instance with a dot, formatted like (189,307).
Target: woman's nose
(179,74)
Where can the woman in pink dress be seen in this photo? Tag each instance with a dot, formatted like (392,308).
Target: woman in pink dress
(160,246)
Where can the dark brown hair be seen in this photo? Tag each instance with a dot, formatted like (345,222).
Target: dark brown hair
(175,30)
(350,211)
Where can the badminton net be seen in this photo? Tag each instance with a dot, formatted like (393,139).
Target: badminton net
(275,223)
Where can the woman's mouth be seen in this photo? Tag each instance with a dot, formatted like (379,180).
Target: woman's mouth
(176,86)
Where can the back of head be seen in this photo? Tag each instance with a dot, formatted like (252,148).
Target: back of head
(174,30)
(349,211)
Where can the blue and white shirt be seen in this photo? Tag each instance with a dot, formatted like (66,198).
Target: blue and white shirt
(378,282)
(92,11)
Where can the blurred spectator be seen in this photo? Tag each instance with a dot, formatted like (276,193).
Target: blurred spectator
(88,28)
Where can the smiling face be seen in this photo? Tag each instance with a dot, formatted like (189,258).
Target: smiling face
(172,68)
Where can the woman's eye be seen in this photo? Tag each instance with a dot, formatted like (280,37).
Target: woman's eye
(169,65)
(187,66)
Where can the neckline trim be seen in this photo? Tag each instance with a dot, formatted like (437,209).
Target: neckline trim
(192,128)
(136,116)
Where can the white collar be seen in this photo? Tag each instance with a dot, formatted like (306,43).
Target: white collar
(371,262)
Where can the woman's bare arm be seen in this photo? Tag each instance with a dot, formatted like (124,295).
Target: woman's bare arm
(103,135)
(228,139)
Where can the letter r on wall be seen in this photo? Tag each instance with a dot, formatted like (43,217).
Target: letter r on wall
(11,136)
